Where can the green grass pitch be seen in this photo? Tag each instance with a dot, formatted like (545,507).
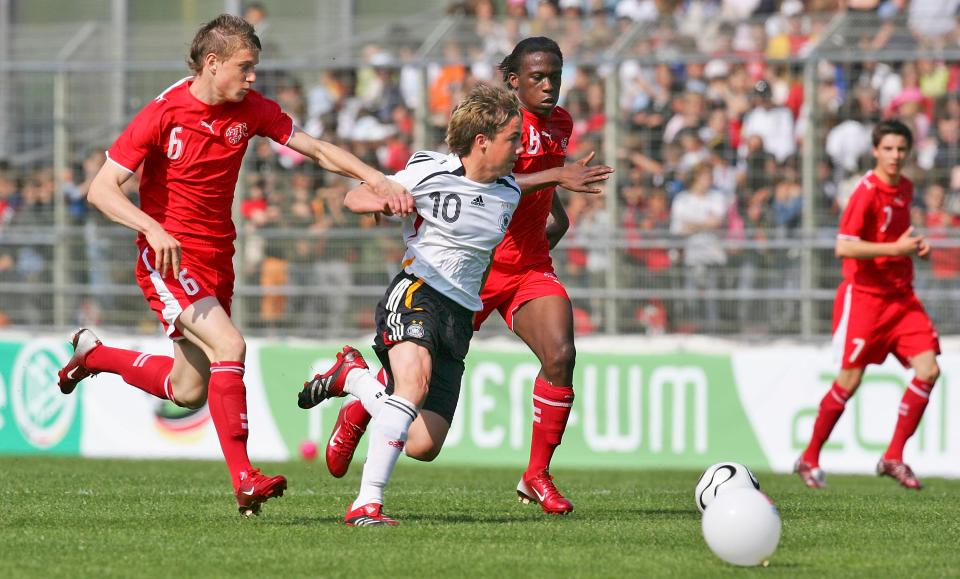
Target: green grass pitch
(64,517)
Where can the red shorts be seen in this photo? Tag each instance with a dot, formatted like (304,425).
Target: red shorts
(867,327)
(506,291)
(204,271)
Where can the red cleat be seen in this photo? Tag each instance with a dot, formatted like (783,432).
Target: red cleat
(812,476)
(330,384)
(351,424)
(84,341)
(901,471)
(541,490)
(369,515)
(255,489)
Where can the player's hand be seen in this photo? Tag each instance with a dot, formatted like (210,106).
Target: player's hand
(908,243)
(166,249)
(924,251)
(397,200)
(580,178)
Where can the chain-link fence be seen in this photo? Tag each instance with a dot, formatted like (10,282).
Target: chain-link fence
(761,123)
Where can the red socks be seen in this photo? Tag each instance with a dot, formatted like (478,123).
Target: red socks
(227,400)
(912,405)
(831,407)
(551,408)
(145,371)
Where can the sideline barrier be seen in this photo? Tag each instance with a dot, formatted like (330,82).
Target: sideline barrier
(668,409)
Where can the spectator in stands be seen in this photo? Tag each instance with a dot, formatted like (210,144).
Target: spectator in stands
(944,262)
(773,124)
(699,216)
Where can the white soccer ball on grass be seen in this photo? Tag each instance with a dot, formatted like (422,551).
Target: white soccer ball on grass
(742,527)
(722,477)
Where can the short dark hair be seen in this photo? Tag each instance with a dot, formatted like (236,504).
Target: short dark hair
(485,110)
(511,63)
(222,36)
(892,127)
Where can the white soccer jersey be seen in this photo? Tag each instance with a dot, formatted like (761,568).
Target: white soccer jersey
(458,223)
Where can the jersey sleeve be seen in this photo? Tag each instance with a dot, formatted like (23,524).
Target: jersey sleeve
(421,165)
(854,219)
(274,123)
(134,143)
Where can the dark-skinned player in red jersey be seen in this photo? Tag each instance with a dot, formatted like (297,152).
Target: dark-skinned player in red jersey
(875,312)
(522,285)
(190,141)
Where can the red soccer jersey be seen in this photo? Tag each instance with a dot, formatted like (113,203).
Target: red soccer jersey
(879,213)
(544,147)
(191,154)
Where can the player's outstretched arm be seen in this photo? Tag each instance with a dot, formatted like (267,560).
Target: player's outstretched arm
(106,195)
(907,244)
(578,177)
(363,199)
(333,158)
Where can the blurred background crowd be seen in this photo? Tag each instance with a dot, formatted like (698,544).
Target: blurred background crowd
(701,233)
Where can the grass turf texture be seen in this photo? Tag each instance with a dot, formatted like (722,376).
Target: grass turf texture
(97,518)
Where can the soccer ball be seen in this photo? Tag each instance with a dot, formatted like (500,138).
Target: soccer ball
(721,477)
(742,527)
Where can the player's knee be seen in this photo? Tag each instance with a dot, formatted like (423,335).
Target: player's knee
(559,363)
(232,348)
(929,374)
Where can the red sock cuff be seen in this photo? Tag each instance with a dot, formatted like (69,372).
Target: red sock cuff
(550,393)
(924,387)
(236,367)
(839,394)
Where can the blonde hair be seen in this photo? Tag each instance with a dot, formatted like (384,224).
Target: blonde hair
(485,111)
(222,36)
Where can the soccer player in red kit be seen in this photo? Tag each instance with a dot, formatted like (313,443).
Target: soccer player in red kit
(522,285)
(191,140)
(876,312)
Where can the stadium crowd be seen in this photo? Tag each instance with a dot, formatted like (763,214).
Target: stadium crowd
(709,158)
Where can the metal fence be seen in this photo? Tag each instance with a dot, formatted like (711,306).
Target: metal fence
(659,100)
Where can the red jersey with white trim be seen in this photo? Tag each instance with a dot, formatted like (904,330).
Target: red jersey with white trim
(191,154)
(879,213)
(544,147)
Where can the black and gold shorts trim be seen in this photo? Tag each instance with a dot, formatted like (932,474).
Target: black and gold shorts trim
(412,311)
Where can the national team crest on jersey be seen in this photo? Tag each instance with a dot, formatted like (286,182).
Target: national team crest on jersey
(504,220)
(415,329)
(236,133)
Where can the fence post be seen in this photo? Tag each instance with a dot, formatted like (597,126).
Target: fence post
(61,149)
(809,219)
(611,142)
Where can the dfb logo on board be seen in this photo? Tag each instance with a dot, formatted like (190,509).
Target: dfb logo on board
(42,413)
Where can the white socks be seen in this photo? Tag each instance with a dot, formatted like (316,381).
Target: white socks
(388,435)
(372,394)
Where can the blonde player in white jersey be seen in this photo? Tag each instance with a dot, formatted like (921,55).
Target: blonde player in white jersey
(464,202)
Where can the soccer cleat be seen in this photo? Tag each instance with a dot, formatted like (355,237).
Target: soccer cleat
(541,490)
(369,515)
(812,476)
(351,424)
(901,471)
(330,384)
(84,341)
(255,489)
